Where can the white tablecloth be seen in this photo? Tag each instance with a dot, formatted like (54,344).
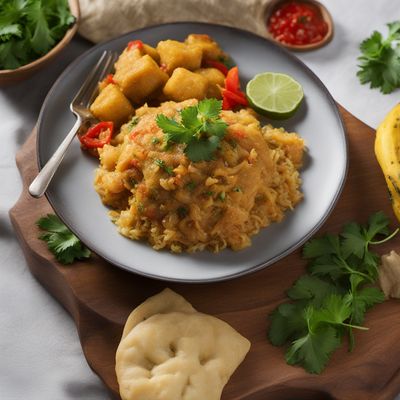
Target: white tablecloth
(40,354)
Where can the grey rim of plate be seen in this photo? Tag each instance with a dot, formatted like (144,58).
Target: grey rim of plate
(73,198)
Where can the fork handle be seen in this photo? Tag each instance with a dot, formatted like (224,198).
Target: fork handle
(39,185)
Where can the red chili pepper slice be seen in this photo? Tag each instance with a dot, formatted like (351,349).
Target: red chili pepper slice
(226,104)
(135,44)
(232,82)
(235,98)
(110,78)
(216,64)
(92,140)
(232,96)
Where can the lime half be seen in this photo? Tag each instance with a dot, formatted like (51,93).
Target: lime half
(275,95)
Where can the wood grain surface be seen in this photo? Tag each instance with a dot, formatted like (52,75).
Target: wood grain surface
(100,296)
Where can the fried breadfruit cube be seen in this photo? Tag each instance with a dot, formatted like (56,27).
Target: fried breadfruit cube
(112,105)
(185,84)
(152,52)
(215,78)
(126,59)
(210,49)
(130,55)
(175,54)
(140,80)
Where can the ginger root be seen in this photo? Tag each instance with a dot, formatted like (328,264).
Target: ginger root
(389,275)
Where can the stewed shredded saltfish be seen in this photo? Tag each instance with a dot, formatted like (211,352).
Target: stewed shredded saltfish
(160,195)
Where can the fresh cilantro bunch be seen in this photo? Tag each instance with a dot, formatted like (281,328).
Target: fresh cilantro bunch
(332,299)
(380,60)
(200,129)
(30,28)
(61,241)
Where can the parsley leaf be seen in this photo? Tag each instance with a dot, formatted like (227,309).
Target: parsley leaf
(380,60)
(203,149)
(314,348)
(200,129)
(333,298)
(286,321)
(61,241)
(362,300)
(312,289)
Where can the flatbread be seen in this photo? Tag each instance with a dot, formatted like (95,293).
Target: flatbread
(179,354)
(164,302)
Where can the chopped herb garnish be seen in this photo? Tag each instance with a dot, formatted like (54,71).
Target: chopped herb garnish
(190,186)
(208,193)
(132,123)
(222,196)
(164,167)
(237,189)
(182,212)
(61,241)
(303,19)
(233,143)
(132,182)
(155,140)
(201,129)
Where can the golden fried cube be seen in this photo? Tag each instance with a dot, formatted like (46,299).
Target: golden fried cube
(152,52)
(215,78)
(112,105)
(175,54)
(210,49)
(185,84)
(142,79)
(126,59)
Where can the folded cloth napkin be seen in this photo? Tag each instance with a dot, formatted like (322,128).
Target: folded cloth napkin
(104,19)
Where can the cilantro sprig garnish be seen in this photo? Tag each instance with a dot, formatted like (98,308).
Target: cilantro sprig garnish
(380,60)
(30,28)
(332,299)
(61,241)
(200,128)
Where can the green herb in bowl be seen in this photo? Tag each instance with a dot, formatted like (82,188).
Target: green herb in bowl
(31,28)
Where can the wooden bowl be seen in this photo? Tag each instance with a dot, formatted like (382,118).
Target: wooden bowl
(8,76)
(274,4)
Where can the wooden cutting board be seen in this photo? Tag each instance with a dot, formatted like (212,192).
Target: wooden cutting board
(100,296)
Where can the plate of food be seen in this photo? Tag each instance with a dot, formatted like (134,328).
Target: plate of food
(182,178)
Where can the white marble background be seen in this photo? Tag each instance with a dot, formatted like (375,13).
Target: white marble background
(40,354)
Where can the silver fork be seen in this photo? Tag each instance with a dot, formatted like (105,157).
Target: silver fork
(80,108)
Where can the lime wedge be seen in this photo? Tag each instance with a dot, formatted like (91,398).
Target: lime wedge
(275,95)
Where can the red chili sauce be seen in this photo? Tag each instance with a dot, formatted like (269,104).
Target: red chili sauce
(297,23)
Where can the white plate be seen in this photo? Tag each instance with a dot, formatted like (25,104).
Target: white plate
(74,199)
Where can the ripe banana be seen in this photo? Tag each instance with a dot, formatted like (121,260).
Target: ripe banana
(387,151)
